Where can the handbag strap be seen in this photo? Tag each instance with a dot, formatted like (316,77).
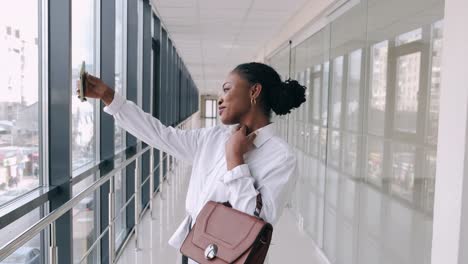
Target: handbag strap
(259,205)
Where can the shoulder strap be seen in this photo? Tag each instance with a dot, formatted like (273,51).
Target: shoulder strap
(259,206)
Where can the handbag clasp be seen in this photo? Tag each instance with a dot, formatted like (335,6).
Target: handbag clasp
(211,251)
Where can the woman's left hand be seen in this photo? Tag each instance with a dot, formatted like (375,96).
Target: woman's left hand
(237,145)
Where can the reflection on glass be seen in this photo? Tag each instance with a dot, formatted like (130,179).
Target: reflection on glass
(348,198)
(323,144)
(120,199)
(434,93)
(350,154)
(324,90)
(334,148)
(403,170)
(407,92)
(120,61)
(330,223)
(353,90)
(378,88)
(83,49)
(308,93)
(84,223)
(29,253)
(19,95)
(408,37)
(15,228)
(119,133)
(316,96)
(337,85)
(315,139)
(427,180)
(374,169)
(392,222)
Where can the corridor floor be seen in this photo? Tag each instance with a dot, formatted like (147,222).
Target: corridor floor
(289,244)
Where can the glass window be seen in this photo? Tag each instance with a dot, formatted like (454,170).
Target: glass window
(19,99)
(119,135)
(85,226)
(120,200)
(13,229)
(120,63)
(83,49)
(28,253)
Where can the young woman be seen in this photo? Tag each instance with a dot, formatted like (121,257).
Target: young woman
(230,163)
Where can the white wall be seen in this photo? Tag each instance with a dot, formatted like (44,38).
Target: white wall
(449,234)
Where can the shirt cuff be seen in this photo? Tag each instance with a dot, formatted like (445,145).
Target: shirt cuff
(115,105)
(240,171)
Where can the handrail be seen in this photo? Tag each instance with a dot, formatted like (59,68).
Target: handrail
(16,208)
(43,223)
(49,220)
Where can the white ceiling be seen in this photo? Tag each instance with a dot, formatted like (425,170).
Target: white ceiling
(213,36)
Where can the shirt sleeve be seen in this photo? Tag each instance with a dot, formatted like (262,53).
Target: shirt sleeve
(275,187)
(179,143)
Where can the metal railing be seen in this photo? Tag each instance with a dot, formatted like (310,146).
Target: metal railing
(48,221)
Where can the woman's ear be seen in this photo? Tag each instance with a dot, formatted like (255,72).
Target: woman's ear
(255,92)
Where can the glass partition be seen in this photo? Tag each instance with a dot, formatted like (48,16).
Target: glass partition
(366,138)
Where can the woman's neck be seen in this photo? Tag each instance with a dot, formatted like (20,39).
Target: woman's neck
(254,122)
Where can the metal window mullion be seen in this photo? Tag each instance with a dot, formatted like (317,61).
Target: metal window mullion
(59,121)
(131,88)
(106,52)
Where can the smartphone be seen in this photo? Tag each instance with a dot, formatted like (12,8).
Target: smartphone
(83,74)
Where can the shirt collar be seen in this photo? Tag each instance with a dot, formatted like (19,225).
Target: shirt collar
(263,134)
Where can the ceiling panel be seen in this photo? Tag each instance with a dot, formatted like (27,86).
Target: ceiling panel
(213,36)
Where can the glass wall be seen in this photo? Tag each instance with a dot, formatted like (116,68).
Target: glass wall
(85,25)
(82,233)
(85,225)
(19,99)
(84,48)
(367,169)
(119,135)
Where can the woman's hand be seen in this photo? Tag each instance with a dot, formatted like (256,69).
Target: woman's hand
(95,88)
(237,145)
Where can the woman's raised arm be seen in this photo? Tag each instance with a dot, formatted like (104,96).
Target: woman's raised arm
(182,144)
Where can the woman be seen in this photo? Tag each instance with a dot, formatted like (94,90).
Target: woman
(230,163)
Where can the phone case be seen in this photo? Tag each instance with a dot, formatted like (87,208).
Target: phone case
(82,82)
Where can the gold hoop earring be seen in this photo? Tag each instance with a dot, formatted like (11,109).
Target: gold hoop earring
(253,101)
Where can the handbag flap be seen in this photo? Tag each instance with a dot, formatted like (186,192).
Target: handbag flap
(232,231)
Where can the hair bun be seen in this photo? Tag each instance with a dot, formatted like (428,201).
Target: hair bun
(289,95)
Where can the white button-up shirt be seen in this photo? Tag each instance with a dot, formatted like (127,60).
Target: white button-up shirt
(270,168)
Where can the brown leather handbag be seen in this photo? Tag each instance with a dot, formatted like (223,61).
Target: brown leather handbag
(222,234)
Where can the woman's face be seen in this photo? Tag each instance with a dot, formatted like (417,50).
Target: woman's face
(234,99)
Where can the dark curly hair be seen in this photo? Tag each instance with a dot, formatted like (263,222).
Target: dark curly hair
(276,95)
